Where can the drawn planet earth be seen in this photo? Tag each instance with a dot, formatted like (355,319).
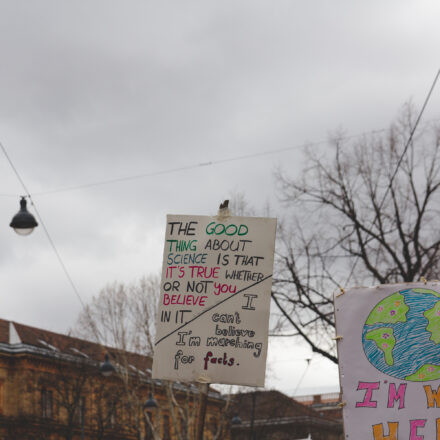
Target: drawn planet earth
(401,336)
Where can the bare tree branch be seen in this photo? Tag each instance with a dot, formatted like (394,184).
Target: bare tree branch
(367,213)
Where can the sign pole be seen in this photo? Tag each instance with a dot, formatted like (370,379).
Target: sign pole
(204,387)
(203,403)
(213,314)
(251,433)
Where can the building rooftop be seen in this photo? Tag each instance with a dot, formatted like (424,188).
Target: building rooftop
(270,404)
(19,336)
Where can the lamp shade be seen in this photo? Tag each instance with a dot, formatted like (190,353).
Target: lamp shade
(236,420)
(23,222)
(106,368)
(150,403)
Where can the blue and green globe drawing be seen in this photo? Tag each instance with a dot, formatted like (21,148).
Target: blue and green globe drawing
(401,336)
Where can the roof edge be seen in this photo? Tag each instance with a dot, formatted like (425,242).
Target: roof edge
(14,338)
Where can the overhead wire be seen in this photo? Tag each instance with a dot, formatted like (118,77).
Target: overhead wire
(8,195)
(280,361)
(309,360)
(177,169)
(127,178)
(399,163)
(410,138)
(14,169)
(189,167)
(192,166)
(43,224)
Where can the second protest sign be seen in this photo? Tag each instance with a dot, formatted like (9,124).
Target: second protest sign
(389,361)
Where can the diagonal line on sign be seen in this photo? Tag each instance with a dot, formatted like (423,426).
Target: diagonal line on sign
(212,307)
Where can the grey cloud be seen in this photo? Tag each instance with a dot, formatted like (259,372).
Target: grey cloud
(96,90)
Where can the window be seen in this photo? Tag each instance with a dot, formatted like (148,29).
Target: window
(166,428)
(80,412)
(149,431)
(1,396)
(112,412)
(183,427)
(212,425)
(46,403)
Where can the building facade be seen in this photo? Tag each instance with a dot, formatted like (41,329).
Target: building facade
(328,404)
(51,388)
(271,415)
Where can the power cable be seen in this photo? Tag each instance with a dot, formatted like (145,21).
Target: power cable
(28,194)
(302,377)
(8,195)
(399,162)
(411,135)
(191,167)
(177,169)
(280,361)
(14,169)
(57,253)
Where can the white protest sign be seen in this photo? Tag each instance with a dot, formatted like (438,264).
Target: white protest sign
(213,313)
(389,361)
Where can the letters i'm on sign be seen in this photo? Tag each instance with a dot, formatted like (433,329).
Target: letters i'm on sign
(213,314)
(389,361)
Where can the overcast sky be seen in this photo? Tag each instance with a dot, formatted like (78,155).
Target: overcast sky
(98,90)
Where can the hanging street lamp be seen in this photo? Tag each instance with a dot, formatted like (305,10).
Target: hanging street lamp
(150,403)
(236,420)
(23,222)
(106,368)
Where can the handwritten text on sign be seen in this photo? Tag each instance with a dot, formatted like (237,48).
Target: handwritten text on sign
(389,361)
(215,295)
